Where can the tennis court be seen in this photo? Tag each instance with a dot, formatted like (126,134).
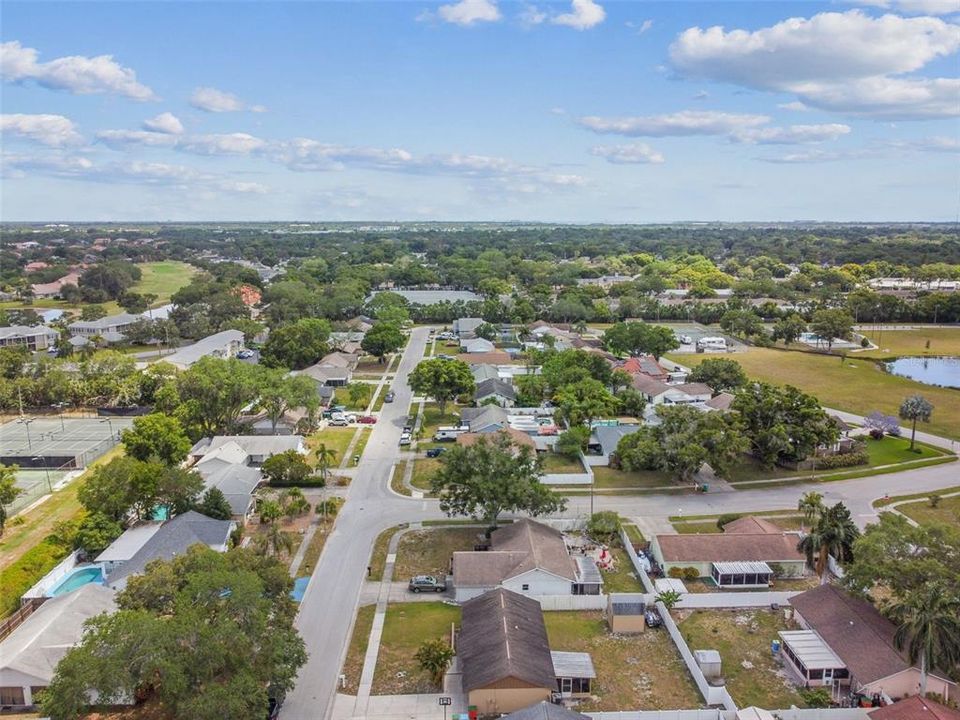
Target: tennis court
(35,484)
(56,443)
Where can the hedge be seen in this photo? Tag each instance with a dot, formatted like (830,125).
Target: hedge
(26,571)
(831,462)
(311,481)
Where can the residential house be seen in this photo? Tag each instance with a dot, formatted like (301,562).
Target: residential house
(604,281)
(517,438)
(551,711)
(33,338)
(526,557)
(52,289)
(466,328)
(476,345)
(110,328)
(499,391)
(646,365)
(495,357)
(505,659)
(30,654)
(485,419)
(846,642)
(485,372)
(249,295)
(915,708)
(126,546)
(257,447)
(721,402)
(750,552)
(658,392)
(360,324)
(228,469)
(221,345)
(334,369)
(173,538)
(604,440)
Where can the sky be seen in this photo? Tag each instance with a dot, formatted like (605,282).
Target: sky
(578,111)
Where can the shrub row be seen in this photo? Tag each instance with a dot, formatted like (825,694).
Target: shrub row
(26,571)
(831,462)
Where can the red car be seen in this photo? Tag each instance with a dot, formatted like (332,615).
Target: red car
(366,420)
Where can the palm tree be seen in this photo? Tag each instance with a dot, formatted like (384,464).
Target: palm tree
(274,542)
(929,628)
(833,534)
(325,456)
(811,505)
(579,327)
(913,408)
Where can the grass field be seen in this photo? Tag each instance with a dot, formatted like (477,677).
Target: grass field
(423,469)
(559,464)
(163,279)
(856,385)
(622,579)
(335,438)
(378,556)
(946,512)
(427,552)
(892,343)
(405,628)
(743,640)
(606,477)
(641,671)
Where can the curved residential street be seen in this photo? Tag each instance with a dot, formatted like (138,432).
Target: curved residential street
(329,605)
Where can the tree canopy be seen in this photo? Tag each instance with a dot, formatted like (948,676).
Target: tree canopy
(640,338)
(208,635)
(443,380)
(383,338)
(721,374)
(296,345)
(156,436)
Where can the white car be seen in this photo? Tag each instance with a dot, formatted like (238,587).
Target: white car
(339,420)
(405,438)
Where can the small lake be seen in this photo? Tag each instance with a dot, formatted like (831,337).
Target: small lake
(944,371)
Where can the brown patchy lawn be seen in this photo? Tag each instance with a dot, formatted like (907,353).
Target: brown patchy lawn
(427,552)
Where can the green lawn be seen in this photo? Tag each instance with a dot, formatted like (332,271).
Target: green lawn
(943,341)
(423,469)
(787,522)
(882,502)
(432,419)
(891,450)
(742,638)
(622,579)
(427,552)
(605,477)
(342,397)
(946,512)
(642,671)
(361,444)
(336,438)
(750,469)
(559,464)
(405,628)
(378,556)
(857,385)
(163,279)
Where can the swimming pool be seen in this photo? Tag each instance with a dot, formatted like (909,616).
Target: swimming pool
(299,588)
(77,579)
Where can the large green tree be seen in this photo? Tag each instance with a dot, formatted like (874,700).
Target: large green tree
(382,339)
(126,485)
(721,374)
(280,392)
(8,491)
(442,380)
(213,392)
(832,324)
(205,635)
(782,424)
(156,436)
(640,338)
(491,477)
(582,402)
(928,628)
(297,345)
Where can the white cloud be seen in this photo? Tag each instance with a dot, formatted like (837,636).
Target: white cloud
(164,123)
(54,130)
(686,122)
(844,62)
(469,12)
(642,27)
(819,156)
(212,100)
(792,135)
(915,7)
(637,153)
(584,15)
(936,144)
(227,144)
(124,138)
(244,187)
(532,15)
(75,73)
(795,106)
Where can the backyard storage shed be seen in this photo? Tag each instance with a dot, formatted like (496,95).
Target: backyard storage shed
(625,613)
(862,639)
(504,654)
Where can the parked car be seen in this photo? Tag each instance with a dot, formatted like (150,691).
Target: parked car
(435,452)
(405,438)
(339,420)
(389,396)
(653,618)
(366,420)
(245,354)
(427,583)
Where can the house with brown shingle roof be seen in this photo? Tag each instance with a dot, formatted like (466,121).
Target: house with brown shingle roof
(517,438)
(526,557)
(505,659)
(748,553)
(862,643)
(915,708)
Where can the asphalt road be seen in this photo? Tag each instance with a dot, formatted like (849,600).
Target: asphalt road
(329,606)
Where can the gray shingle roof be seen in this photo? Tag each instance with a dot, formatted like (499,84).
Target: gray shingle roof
(546,711)
(609,436)
(488,388)
(172,539)
(503,635)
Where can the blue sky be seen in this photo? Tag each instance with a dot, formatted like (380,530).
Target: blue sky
(582,111)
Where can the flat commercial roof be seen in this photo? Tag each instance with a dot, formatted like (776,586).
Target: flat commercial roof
(811,650)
